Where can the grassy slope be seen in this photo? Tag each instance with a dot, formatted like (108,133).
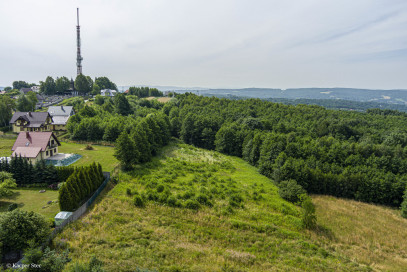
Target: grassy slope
(263,235)
(31,200)
(373,235)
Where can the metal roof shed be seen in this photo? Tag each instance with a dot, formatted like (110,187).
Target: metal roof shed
(61,217)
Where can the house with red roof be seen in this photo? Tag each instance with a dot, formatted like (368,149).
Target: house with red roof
(35,146)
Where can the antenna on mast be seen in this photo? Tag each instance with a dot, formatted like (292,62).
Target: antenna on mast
(78,46)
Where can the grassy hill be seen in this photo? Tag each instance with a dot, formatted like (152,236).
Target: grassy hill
(199,211)
(369,234)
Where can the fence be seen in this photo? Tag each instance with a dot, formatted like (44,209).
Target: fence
(81,210)
(75,215)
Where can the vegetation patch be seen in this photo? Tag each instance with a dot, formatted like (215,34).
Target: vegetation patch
(370,234)
(195,210)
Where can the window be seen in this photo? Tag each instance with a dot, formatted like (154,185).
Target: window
(52,142)
(47,153)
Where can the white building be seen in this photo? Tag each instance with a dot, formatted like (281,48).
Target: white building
(108,92)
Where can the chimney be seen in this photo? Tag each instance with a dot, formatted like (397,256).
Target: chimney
(27,134)
(29,113)
(62,108)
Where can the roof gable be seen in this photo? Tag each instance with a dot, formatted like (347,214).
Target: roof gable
(34,139)
(31,117)
(27,152)
(60,110)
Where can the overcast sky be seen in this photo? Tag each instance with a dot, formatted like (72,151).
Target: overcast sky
(208,43)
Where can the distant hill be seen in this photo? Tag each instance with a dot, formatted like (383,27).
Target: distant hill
(363,95)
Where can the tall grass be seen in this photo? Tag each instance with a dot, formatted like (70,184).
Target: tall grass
(370,234)
(237,223)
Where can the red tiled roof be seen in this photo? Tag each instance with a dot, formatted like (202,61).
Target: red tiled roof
(34,139)
(27,152)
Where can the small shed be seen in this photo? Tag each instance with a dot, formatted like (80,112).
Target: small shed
(61,217)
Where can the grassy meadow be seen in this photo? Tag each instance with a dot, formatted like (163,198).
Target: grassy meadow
(6,143)
(196,210)
(100,154)
(30,199)
(370,234)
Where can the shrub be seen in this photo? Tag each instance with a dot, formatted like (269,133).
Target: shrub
(160,188)
(404,205)
(128,192)
(192,204)
(203,199)
(49,260)
(138,201)
(12,207)
(89,147)
(309,219)
(290,190)
(18,227)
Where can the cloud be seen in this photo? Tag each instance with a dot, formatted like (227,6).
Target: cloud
(226,43)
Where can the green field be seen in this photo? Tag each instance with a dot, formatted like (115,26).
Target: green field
(239,224)
(32,200)
(99,154)
(6,143)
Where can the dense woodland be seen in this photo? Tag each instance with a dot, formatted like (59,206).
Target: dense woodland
(347,154)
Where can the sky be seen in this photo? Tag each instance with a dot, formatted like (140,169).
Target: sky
(209,43)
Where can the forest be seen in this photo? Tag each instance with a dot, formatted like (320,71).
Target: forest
(354,155)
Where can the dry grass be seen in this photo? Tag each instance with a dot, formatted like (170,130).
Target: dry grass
(368,234)
(159,99)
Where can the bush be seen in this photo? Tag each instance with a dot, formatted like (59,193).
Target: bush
(404,205)
(18,227)
(138,201)
(49,260)
(160,188)
(192,204)
(12,207)
(290,190)
(309,219)
(128,192)
(203,199)
(89,147)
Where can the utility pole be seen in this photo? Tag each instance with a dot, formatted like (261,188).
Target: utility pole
(78,46)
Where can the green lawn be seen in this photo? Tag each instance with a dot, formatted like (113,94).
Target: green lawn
(6,144)
(32,200)
(99,154)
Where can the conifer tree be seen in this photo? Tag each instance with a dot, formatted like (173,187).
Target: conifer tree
(75,197)
(102,178)
(65,199)
(125,150)
(78,189)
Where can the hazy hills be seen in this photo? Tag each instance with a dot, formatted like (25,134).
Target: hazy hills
(363,95)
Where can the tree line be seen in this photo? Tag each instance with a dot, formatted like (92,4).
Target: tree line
(25,173)
(79,186)
(348,154)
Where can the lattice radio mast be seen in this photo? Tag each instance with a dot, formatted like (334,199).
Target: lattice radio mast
(78,46)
